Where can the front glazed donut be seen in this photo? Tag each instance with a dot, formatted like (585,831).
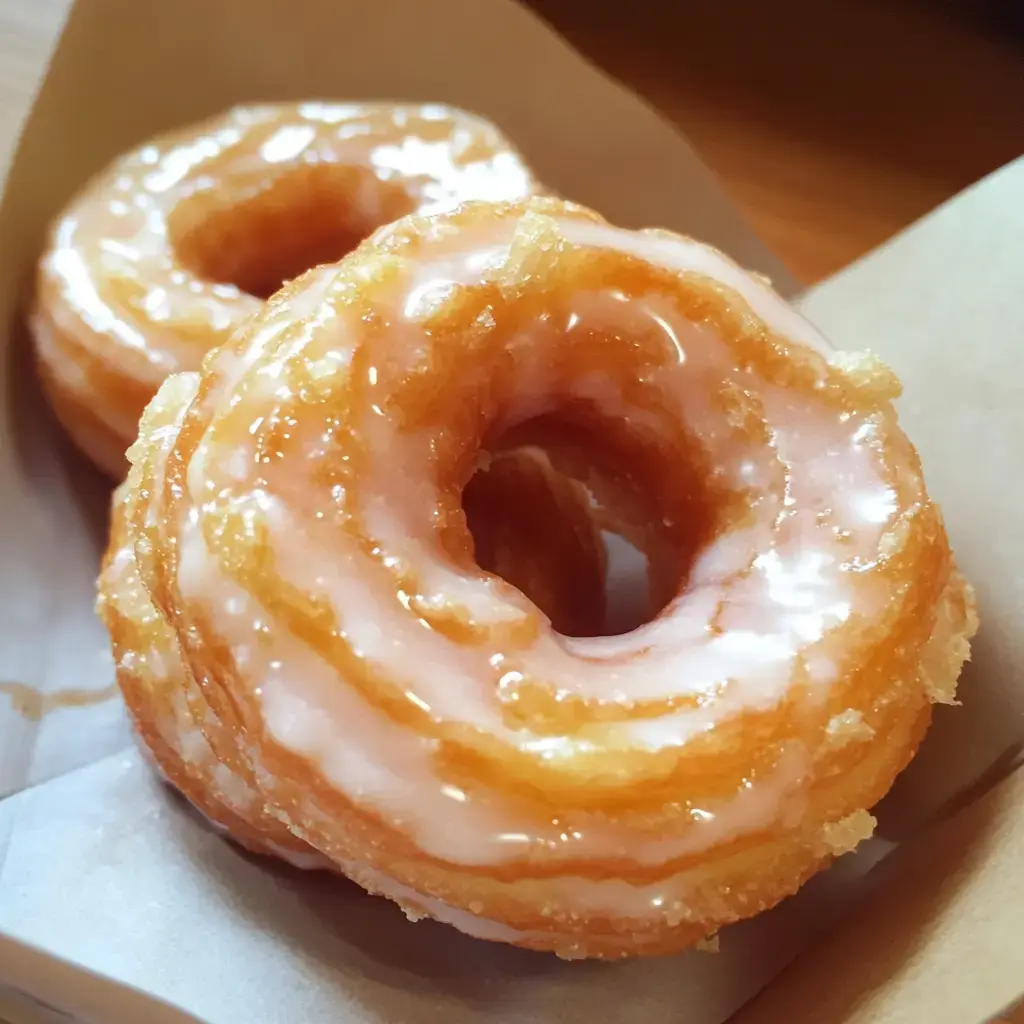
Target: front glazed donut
(293,536)
(175,244)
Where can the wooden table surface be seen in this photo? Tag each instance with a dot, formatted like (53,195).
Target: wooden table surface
(833,125)
(832,130)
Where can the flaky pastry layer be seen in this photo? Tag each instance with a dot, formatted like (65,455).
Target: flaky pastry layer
(312,653)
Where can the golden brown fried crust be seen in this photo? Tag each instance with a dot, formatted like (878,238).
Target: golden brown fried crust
(182,681)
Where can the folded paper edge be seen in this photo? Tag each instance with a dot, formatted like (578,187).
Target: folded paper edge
(836,279)
(73,993)
(928,893)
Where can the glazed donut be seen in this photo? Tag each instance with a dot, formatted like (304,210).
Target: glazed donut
(293,527)
(174,245)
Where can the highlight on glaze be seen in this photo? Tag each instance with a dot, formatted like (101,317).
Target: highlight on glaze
(313,654)
(166,252)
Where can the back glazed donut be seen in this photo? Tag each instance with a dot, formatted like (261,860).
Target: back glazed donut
(174,245)
(295,536)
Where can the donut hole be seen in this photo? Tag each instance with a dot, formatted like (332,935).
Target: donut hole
(259,238)
(580,521)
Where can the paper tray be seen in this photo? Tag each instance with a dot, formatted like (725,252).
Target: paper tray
(99,867)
